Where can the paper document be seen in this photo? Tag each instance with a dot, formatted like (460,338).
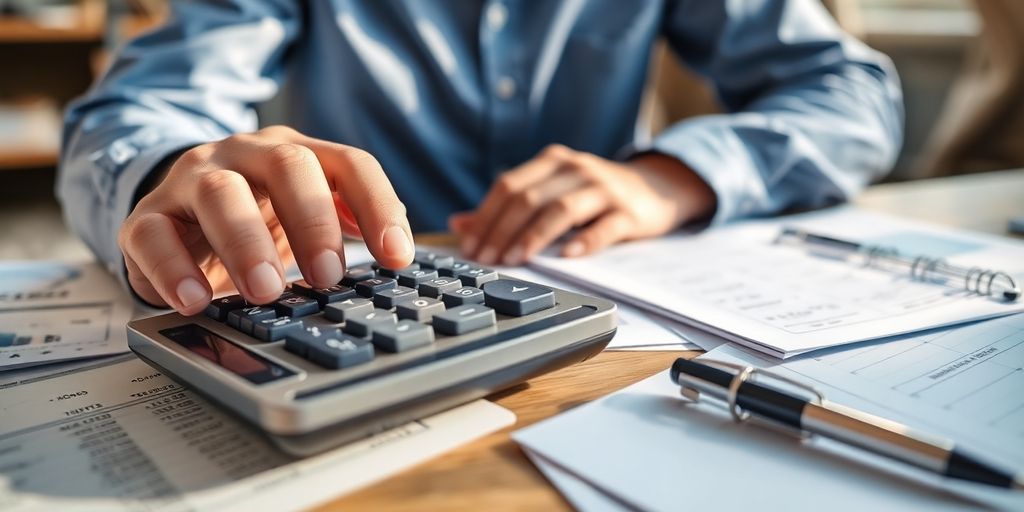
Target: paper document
(121,436)
(783,300)
(53,311)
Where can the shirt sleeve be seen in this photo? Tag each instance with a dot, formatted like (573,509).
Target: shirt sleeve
(813,115)
(194,80)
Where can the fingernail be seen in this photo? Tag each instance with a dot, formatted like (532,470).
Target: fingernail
(326,268)
(513,257)
(469,244)
(487,255)
(264,281)
(396,242)
(573,249)
(190,292)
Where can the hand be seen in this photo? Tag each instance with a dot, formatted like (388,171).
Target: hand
(235,211)
(534,204)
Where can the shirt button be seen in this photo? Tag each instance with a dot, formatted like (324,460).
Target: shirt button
(497,16)
(506,87)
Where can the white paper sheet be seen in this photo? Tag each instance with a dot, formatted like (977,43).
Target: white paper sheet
(53,311)
(121,436)
(784,301)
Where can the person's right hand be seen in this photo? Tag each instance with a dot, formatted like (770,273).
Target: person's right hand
(235,211)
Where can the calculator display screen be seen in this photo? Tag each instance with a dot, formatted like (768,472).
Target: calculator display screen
(227,355)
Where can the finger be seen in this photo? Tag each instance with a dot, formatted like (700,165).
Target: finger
(223,203)
(154,249)
(291,175)
(573,209)
(141,285)
(460,223)
(611,228)
(508,184)
(349,226)
(521,210)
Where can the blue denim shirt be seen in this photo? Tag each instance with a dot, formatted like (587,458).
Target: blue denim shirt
(448,94)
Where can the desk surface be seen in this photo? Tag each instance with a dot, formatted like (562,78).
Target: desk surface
(492,473)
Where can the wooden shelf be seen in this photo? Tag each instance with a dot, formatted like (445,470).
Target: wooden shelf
(27,158)
(19,30)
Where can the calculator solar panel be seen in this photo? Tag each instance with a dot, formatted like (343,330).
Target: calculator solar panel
(323,366)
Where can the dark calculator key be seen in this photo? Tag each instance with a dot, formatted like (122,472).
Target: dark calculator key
(439,286)
(356,274)
(242,319)
(324,296)
(477,276)
(363,324)
(273,329)
(387,299)
(337,352)
(299,341)
(413,278)
(420,310)
(391,272)
(368,287)
(517,298)
(218,309)
(402,336)
(463,319)
(297,306)
(464,295)
(343,310)
(433,260)
(457,268)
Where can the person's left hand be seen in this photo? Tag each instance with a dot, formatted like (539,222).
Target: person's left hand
(531,206)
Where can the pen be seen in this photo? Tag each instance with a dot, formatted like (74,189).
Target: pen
(834,421)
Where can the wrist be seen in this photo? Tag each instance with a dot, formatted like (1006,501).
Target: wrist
(692,198)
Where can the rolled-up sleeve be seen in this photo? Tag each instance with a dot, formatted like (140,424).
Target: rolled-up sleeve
(194,80)
(813,115)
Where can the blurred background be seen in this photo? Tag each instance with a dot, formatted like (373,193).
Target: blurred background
(961,63)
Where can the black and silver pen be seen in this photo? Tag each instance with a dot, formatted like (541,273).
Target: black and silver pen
(844,424)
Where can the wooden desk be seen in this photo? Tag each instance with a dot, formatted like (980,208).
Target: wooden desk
(493,474)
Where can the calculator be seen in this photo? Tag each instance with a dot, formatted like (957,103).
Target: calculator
(321,367)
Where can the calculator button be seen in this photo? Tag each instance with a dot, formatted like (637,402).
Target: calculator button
(393,273)
(439,286)
(463,319)
(242,319)
(356,274)
(433,260)
(387,299)
(363,324)
(337,352)
(420,310)
(457,268)
(464,295)
(477,276)
(368,287)
(517,298)
(324,296)
(218,309)
(343,310)
(299,341)
(273,329)
(413,278)
(402,336)
(297,306)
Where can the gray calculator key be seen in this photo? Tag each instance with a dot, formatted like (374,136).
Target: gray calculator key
(433,260)
(298,342)
(413,278)
(477,276)
(355,274)
(420,309)
(368,287)
(296,306)
(363,324)
(463,319)
(242,319)
(387,299)
(342,311)
(273,329)
(457,268)
(402,336)
(464,295)
(324,296)
(517,298)
(337,352)
(218,309)
(439,286)
(391,272)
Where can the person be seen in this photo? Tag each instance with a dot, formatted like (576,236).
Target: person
(511,121)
